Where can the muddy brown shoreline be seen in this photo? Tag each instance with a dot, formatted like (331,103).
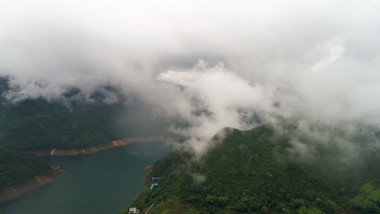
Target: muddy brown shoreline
(18,190)
(109,145)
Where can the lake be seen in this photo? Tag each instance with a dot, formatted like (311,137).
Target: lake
(105,182)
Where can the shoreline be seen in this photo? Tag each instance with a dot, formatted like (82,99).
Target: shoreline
(16,191)
(105,146)
(148,178)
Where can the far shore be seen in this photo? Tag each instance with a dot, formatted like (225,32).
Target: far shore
(18,190)
(105,146)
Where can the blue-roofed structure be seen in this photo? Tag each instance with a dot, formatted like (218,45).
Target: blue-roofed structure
(153,185)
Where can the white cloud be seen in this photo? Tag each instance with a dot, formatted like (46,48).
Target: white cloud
(335,53)
(315,59)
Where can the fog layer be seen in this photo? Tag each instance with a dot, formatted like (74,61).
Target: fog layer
(211,64)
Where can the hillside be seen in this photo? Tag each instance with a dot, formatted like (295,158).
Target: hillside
(18,167)
(38,124)
(255,172)
(72,121)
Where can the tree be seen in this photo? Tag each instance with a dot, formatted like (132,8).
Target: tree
(367,200)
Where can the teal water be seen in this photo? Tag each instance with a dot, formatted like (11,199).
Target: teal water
(105,182)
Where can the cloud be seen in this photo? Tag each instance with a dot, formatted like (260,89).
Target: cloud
(216,98)
(335,53)
(260,60)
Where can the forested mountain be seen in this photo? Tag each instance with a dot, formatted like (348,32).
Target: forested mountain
(69,122)
(17,167)
(256,171)
(39,124)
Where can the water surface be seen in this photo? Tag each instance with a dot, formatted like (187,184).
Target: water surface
(105,182)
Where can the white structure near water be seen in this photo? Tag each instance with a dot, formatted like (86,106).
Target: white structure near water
(133,210)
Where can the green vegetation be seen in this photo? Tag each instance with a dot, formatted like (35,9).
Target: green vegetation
(34,124)
(255,172)
(17,167)
(367,200)
(73,121)
(68,122)
(38,124)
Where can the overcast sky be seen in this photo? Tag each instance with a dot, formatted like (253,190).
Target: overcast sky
(211,63)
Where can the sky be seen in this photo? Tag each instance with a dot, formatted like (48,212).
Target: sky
(213,64)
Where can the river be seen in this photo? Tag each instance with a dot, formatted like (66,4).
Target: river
(105,182)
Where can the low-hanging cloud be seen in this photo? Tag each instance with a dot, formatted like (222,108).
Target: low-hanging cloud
(217,98)
(210,63)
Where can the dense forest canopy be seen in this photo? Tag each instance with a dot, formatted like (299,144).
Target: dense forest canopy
(256,172)
(32,124)
(17,167)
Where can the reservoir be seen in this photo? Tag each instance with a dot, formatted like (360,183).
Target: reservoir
(104,182)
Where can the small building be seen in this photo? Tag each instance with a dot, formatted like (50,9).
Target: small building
(133,210)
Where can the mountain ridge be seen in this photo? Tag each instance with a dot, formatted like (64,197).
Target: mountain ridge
(254,172)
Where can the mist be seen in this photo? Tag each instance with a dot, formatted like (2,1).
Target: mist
(211,64)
